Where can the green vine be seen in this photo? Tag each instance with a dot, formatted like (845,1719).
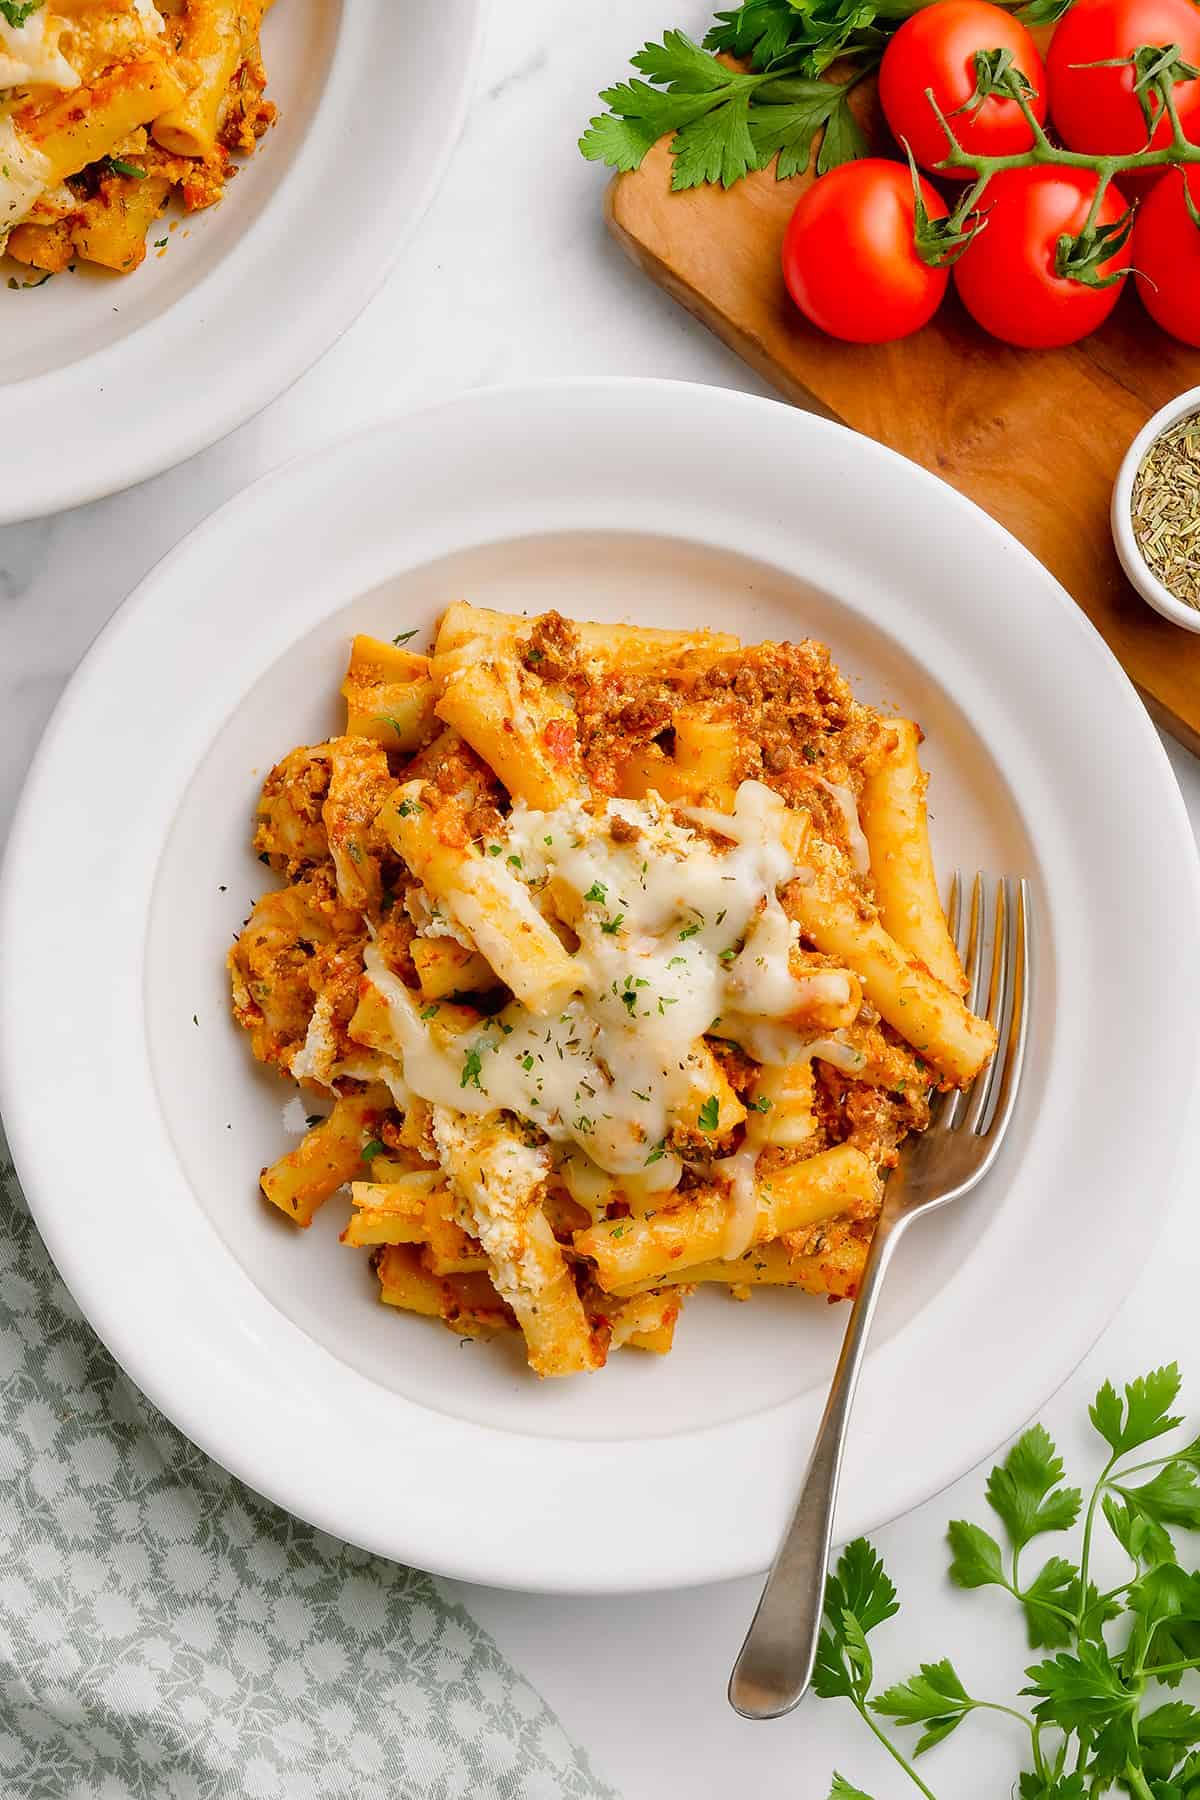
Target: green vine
(1080,257)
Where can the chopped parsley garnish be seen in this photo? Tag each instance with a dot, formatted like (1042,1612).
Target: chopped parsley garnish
(472,1070)
(665,1001)
(372,1149)
(408,809)
(710,1114)
(17,11)
(641,1096)
(431,1011)
(618,1231)
(597,892)
(727,956)
(721,916)
(394,725)
(762,1104)
(527,1062)
(514,862)
(658,1152)
(677,962)
(548,839)
(612,926)
(495,849)
(123,168)
(405,637)
(688,931)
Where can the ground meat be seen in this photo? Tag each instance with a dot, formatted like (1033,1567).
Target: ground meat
(553,648)
(453,768)
(624,831)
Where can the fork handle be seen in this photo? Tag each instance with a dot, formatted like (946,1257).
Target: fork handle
(776,1662)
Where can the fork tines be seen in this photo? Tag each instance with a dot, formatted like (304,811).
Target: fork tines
(993,942)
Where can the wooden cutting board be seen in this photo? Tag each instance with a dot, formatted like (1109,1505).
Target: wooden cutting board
(1034,437)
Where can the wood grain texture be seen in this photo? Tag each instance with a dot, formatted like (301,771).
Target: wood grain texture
(1034,437)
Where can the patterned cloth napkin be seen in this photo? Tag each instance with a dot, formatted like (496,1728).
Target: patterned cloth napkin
(164,1632)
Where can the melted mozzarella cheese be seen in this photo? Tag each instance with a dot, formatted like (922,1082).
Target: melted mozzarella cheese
(30,56)
(847,805)
(678,937)
(25,175)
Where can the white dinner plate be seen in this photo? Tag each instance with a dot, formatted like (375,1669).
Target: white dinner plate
(105,379)
(139,1122)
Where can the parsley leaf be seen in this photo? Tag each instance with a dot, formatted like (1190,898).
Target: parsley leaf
(724,122)
(597,892)
(977,1559)
(372,1149)
(1167,1602)
(1019,1490)
(935,1698)
(758,33)
(1083,1691)
(858,1596)
(405,637)
(1053,1591)
(786,124)
(710,1114)
(1170,1498)
(801,34)
(17,11)
(472,1070)
(843,1790)
(1144,1414)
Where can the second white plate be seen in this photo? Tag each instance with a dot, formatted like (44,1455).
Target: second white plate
(129,870)
(105,380)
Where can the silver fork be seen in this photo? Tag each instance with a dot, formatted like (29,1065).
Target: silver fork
(775,1666)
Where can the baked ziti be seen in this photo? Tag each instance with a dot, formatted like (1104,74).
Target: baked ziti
(107,107)
(618,957)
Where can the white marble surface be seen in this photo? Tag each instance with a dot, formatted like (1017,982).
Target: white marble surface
(511,277)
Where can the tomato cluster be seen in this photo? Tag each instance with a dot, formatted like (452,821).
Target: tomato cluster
(863,258)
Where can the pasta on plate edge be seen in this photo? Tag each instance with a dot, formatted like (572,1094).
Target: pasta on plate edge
(620,954)
(107,107)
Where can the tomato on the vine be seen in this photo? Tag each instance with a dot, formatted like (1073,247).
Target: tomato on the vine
(850,258)
(1166,255)
(936,49)
(1097,110)
(1008,277)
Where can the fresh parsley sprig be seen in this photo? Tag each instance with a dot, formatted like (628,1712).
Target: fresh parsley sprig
(724,122)
(1096,1724)
(17,11)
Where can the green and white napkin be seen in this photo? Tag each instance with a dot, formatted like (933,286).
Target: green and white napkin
(164,1632)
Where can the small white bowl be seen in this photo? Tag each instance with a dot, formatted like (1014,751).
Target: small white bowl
(1133,562)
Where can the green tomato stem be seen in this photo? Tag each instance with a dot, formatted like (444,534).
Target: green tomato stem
(1042,153)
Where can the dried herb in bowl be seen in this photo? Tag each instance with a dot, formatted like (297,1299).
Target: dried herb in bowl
(1166,510)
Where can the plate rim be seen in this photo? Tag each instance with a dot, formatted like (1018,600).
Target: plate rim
(135,457)
(477,1563)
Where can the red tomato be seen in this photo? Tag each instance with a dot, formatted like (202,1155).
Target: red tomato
(1095,109)
(849,256)
(936,49)
(1006,276)
(1166,255)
